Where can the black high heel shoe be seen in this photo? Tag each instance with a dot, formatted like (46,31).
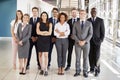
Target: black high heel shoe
(24,72)
(21,72)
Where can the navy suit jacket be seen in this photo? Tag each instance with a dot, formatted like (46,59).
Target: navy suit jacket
(71,26)
(51,21)
(33,32)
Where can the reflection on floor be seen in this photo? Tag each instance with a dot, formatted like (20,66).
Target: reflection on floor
(110,65)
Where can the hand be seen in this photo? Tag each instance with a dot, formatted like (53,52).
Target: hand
(82,43)
(21,43)
(57,31)
(71,36)
(33,39)
(62,34)
(15,39)
(53,39)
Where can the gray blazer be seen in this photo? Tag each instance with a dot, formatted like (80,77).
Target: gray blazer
(82,34)
(24,36)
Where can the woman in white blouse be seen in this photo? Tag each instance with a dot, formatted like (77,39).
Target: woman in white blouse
(61,32)
(14,26)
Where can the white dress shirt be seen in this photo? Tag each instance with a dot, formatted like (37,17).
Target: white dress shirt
(62,28)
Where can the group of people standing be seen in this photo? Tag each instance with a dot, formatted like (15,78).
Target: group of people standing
(43,32)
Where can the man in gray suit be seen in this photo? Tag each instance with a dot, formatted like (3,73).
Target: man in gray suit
(82,33)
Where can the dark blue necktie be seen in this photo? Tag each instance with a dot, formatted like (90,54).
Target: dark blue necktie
(73,21)
(34,20)
(82,24)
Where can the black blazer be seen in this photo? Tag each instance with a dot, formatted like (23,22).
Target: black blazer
(71,26)
(98,31)
(51,21)
(33,32)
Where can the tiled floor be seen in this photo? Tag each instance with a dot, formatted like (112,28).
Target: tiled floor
(110,65)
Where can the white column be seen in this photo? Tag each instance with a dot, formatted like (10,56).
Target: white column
(82,4)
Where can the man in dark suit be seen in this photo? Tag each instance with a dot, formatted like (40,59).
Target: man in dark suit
(33,39)
(53,20)
(95,42)
(70,38)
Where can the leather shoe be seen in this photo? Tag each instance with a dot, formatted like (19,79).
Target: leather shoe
(67,68)
(76,74)
(96,73)
(85,74)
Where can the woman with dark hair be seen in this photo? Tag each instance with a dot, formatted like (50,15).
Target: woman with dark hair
(44,30)
(61,32)
(23,36)
(14,26)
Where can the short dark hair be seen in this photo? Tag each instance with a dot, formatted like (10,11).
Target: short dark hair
(62,13)
(35,8)
(55,9)
(73,9)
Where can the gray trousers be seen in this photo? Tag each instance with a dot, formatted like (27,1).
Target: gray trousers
(78,50)
(61,47)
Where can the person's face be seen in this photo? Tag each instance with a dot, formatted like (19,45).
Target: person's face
(44,16)
(55,13)
(62,18)
(93,12)
(19,15)
(35,12)
(25,19)
(82,15)
(74,13)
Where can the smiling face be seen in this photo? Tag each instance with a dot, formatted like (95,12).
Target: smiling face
(19,14)
(93,12)
(35,12)
(55,13)
(74,13)
(82,14)
(44,16)
(62,18)
(25,18)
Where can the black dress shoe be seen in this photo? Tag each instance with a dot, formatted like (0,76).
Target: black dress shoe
(76,74)
(96,73)
(67,68)
(46,73)
(85,74)
(41,72)
(20,73)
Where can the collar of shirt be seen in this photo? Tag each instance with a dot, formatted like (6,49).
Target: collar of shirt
(34,18)
(82,20)
(94,18)
(24,25)
(63,24)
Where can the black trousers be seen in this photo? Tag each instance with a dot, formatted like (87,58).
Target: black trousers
(70,49)
(50,52)
(94,57)
(30,52)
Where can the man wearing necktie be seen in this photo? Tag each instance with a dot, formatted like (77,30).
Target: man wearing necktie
(95,42)
(34,36)
(70,38)
(53,20)
(82,33)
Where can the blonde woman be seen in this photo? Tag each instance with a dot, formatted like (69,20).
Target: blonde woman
(23,35)
(14,26)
